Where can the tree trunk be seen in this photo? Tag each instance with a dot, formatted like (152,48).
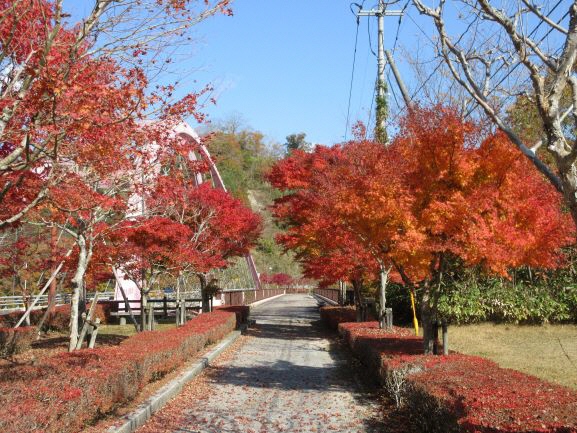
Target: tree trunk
(77,289)
(143,292)
(357,286)
(204,294)
(383,298)
(52,289)
(568,173)
(427,322)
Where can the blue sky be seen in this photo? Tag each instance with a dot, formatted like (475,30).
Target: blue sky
(284,66)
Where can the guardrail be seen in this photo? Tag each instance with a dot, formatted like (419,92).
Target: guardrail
(165,305)
(246,296)
(227,297)
(333,295)
(16,303)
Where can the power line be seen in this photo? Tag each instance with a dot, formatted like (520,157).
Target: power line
(397,34)
(353,68)
(372,102)
(370,40)
(399,25)
(469,112)
(392,91)
(394,49)
(424,83)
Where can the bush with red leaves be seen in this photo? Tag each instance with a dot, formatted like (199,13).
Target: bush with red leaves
(462,393)
(64,393)
(14,341)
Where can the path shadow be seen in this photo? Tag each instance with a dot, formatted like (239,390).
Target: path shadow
(346,374)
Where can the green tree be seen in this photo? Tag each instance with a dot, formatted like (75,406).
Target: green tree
(297,141)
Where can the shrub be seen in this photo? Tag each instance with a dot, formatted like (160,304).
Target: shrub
(93,382)
(14,341)
(498,300)
(59,320)
(460,393)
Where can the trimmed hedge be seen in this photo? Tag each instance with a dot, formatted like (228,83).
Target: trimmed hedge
(460,393)
(68,391)
(14,341)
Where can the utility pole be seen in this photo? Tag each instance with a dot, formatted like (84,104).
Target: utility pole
(381,87)
(399,79)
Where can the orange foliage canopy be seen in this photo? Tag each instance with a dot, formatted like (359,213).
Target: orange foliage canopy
(444,189)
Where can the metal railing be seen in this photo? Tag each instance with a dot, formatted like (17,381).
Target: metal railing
(19,303)
(230,296)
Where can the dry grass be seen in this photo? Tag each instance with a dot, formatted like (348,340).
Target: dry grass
(549,351)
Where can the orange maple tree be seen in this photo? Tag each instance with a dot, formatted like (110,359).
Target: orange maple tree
(445,192)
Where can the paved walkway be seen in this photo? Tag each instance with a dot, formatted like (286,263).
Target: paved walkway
(286,378)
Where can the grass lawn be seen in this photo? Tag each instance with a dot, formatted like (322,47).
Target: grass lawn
(548,351)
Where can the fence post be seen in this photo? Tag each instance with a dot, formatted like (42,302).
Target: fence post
(165,306)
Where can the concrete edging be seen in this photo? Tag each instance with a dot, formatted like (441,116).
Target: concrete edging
(327,300)
(154,403)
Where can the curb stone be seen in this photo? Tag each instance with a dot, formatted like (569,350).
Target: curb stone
(143,412)
(262,301)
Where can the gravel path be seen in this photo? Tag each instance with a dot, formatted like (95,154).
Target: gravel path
(286,377)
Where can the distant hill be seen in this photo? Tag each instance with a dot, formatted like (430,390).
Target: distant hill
(243,157)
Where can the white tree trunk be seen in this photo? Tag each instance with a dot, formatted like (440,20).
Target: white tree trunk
(383,297)
(78,288)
